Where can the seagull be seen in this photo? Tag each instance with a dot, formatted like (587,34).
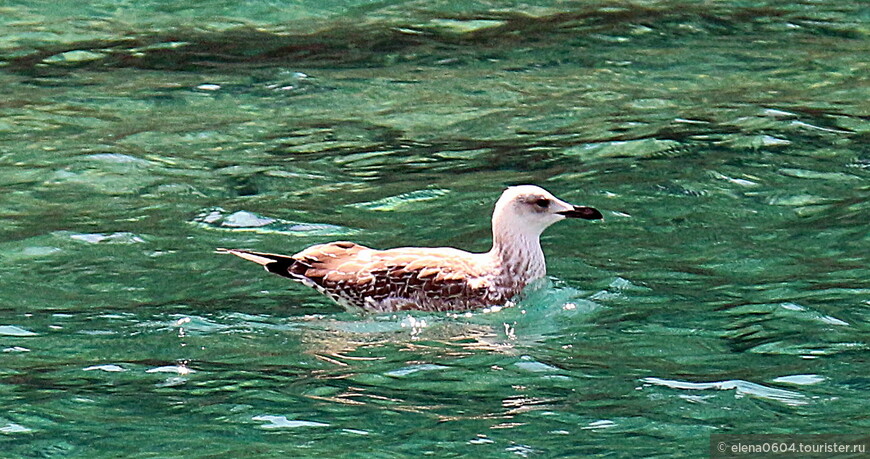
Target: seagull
(436,278)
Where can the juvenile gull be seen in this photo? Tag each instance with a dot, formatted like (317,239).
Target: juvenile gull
(433,279)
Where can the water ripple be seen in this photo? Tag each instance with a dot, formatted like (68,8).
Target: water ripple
(217,218)
(740,388)
(281,422)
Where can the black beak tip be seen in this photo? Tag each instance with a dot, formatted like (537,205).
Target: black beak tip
(586,213)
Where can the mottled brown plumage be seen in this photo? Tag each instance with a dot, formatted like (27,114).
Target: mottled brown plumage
(433,279)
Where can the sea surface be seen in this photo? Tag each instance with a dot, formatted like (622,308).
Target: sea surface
(726,291)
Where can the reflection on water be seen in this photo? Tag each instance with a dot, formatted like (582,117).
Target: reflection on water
(726,290)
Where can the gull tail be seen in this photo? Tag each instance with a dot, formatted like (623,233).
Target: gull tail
(281,265)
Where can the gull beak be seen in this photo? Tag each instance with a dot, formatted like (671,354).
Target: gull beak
(586,213)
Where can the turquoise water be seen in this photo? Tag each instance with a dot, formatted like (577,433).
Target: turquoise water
(726,291)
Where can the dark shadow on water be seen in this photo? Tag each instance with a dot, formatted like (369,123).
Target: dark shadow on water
(442,39)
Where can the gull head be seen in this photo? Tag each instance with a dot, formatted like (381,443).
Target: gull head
(530,209)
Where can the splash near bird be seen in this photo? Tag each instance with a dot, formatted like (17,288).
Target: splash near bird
(438,278)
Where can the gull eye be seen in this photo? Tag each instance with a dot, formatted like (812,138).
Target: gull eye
(542,203)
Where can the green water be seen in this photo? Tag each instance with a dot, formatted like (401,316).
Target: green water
(726,143)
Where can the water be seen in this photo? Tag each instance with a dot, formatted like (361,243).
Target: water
(726,291)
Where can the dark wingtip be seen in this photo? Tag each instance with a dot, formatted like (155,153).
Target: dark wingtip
(586,213)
